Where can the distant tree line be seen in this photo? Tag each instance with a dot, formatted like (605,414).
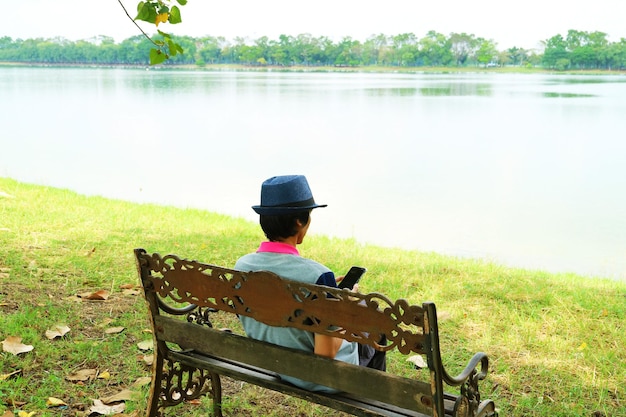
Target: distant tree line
(577,50)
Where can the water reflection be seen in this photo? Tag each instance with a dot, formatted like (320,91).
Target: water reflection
(566,95)
(407,91)
(458,90)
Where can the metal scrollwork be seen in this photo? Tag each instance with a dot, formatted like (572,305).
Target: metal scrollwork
(469,390)
(201,316)
(469,402)
(306,306)
(184,383)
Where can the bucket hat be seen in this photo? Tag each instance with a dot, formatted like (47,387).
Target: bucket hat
(285,194)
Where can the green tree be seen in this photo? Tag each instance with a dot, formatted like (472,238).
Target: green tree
(618,53)
(555,50)
(282,50)
(462,46)
(486,51)
(517,56)
(435,49)
(348,52)
(305,49)
(600,46)
(405,47)
(377,50)
(210,49)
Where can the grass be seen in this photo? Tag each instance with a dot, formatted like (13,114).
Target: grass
(556,341)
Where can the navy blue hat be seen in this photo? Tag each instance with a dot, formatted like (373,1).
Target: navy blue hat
(286,194)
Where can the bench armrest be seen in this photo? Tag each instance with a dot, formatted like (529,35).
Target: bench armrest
(479,358)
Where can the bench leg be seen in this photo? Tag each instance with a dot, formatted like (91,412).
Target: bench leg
(155,386)
(216,390)
(174,383)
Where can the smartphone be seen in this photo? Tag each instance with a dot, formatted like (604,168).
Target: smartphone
(352,277)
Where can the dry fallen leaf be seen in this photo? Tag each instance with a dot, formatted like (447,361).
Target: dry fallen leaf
(123,395)
(418,361)
(54,402)
(127,286)
(97,296)
(25,414)
(131,292)
(13,344)
(4,377)
(104,375)
(94,296)
(114,330)
(57,331)
(8,414)
(148,359)
(146,345)
(82,375)
(100,408)
(140,382)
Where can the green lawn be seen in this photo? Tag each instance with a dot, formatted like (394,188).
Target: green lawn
(556,341)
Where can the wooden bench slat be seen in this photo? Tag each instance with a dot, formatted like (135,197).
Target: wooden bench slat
(341,401)
(406,393)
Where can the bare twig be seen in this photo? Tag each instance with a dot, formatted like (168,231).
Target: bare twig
(138,27)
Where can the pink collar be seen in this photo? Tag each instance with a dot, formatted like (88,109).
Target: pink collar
(278,247)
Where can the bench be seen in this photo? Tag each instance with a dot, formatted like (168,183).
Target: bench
(190,355)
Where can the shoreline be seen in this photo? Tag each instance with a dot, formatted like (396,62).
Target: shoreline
(322,69)
(483,260)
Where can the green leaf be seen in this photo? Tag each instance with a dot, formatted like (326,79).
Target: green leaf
(140,6)
(146,12)
(175,15)
(182,2)
(172,46)
(142,11)
(157,56)
(175,48)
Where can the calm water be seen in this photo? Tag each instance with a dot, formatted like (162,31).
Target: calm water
(526,170)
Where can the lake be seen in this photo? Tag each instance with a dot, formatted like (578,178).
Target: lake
(525,170)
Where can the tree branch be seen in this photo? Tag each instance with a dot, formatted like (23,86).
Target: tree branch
(138,27)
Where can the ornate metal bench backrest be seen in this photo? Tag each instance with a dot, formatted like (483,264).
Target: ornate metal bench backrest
(269,299)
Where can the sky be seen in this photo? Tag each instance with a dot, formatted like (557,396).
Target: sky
(509,23)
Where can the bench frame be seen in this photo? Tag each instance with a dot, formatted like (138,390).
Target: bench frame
(190,355)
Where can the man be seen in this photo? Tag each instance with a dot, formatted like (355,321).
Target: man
(285,217)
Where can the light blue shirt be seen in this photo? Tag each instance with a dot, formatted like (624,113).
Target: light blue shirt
(285,261)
